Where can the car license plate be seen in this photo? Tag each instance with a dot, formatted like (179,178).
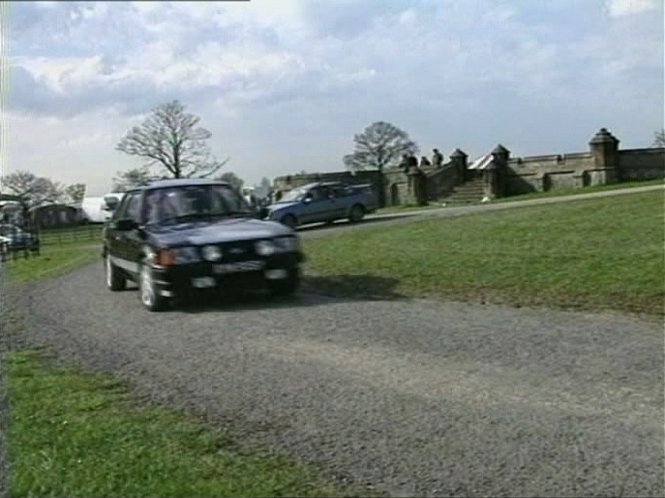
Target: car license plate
(238,267)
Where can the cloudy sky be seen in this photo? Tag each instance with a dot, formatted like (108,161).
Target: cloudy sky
(283,85)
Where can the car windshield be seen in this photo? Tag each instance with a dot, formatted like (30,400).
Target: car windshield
(296,194)
(191,202)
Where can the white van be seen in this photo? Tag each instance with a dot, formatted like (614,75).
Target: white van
(99,209)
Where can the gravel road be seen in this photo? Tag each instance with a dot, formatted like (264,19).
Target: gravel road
(410,397)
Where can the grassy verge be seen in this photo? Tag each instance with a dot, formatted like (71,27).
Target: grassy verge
(595,253)
(73,433)
(53,260)
(76,434)
(577,191)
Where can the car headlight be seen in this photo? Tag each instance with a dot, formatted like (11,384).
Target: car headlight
(264,248)
(211,253)
(184,255)
(287,244)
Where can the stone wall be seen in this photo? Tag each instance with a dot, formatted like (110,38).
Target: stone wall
(641,164)
(603,163)
(542,173)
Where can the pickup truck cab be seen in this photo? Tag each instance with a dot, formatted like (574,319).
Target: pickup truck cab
(323,202)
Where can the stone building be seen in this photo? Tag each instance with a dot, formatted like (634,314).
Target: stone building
(499,175)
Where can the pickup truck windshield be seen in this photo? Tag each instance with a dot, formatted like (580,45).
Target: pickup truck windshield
(192,202)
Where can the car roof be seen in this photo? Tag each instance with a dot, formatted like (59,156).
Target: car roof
(182,182)
(321,184)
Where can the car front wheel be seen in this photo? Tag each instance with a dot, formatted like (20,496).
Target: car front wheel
(115,280)
(148,292)
(356,214)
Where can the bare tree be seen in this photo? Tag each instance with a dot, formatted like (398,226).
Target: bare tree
(379,146)
(127,180)
(230,177)
(659,138)
(171,139)
(76,192)
(30,188)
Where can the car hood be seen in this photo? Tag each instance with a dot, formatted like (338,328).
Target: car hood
(229,230)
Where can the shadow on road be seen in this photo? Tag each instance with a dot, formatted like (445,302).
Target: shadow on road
(315,291)
(356,287)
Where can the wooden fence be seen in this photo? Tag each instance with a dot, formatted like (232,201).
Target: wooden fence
(66,235)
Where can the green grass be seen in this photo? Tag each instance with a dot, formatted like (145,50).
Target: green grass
(595,253)
(73,434)
(53,260)
(577,191)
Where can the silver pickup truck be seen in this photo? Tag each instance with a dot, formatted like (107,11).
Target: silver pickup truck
(323,202)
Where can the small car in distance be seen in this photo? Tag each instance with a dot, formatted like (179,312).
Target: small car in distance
(177,237)
(16,238)
(323,202)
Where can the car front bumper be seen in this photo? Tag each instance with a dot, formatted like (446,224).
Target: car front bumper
(226,277)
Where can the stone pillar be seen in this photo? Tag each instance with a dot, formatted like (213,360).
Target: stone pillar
(417,186)
(605,151)
(495,175)
(459,159)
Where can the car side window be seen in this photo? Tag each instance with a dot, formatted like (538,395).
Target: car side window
(129,207)
(120,211)
(133,207)
(319,193)
(339,191)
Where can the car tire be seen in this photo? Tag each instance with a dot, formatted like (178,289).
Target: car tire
(148,294)
(287,286)
(289,220)
(115,280)
(356,213)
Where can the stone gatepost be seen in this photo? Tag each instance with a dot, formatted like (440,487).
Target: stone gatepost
(605,151)
(459,160)
(417,186)
(495,174)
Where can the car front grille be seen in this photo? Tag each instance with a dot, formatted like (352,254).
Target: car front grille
(238,251)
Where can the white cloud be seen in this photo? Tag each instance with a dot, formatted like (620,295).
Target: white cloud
(620,8)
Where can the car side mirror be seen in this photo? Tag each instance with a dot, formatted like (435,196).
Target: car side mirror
(307,200)
(125,224)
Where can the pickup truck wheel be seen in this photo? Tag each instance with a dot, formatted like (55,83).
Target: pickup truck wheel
(148,292)
(356,214)
(286,286)
(289,220)
(115,280)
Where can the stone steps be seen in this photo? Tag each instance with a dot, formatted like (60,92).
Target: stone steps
(471,192)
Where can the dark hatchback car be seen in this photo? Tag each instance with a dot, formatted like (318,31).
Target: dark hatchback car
(176,237)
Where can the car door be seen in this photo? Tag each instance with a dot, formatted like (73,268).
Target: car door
(340,196)
(124,245)
(111,234)
(321,207)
